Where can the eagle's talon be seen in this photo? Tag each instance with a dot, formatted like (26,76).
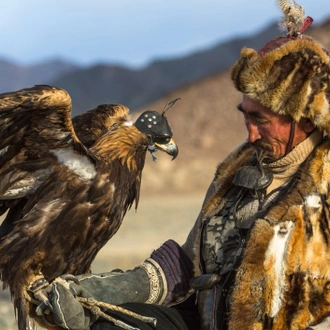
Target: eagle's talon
(154,158)
(42,297)
(70,277)
(42,309)
(152,149)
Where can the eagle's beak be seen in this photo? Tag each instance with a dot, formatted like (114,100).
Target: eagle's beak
(170,148)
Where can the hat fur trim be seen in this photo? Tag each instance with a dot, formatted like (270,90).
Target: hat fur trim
(292,79)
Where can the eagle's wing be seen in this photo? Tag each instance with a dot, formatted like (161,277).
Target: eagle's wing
(91,125)
(33,123)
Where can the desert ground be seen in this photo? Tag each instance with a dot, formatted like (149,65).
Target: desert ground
(157,219)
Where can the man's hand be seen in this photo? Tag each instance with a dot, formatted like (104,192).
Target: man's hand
(60,299)
(72,301)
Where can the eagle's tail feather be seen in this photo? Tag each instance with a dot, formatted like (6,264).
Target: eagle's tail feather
(21,314)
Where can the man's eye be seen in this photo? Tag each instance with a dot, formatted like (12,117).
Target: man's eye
(255,119)
(258,120)
(261,121)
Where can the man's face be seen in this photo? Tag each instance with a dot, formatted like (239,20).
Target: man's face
(267,130)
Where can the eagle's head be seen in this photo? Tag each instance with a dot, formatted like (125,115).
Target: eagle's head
(158,131)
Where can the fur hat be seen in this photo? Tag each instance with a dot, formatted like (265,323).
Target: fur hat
(290,75)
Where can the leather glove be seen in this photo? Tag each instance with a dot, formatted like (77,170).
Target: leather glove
(60,297)
(162,278)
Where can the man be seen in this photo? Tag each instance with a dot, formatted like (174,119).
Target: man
(258,254)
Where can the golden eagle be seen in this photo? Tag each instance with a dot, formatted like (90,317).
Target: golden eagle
(65,183)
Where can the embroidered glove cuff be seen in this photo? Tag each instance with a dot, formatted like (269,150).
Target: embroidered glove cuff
(176,269)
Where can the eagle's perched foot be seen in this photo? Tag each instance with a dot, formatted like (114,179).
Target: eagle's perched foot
(70,277)
(38,290)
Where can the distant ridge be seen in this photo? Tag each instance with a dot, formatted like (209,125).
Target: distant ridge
(102,83)
(135,88)
(15,76)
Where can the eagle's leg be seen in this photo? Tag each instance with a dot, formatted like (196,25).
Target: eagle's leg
(152,149)
(38,289)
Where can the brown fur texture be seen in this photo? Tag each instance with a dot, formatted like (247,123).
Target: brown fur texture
(284,279)
(285,276)
(291,76)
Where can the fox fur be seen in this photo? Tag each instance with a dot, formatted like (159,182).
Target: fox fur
(285,273)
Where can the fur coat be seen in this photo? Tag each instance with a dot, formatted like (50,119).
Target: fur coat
(284,279)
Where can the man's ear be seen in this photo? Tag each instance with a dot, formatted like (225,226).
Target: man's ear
(307,125)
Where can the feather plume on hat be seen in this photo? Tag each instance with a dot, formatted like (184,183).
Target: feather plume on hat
(290,74)
(293,18)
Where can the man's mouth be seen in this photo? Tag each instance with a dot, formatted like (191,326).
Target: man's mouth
(263,146)
(266,149)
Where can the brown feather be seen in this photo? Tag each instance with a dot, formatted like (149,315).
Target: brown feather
(92,124)
(66,198)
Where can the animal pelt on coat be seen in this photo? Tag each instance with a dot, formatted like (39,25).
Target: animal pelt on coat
(284,279)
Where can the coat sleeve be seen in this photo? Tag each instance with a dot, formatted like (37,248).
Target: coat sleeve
(179,264)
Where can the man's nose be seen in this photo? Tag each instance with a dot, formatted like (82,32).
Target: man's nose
(253,133)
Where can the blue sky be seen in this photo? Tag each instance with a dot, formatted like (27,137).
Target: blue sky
(130,32)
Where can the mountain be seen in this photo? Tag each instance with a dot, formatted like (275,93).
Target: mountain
(103,83)
(106,83)
(14,76)
(134,88)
